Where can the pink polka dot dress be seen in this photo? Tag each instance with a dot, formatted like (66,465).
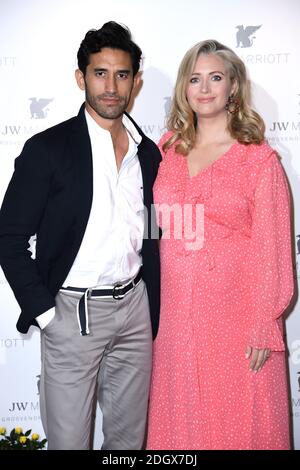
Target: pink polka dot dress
(218,299)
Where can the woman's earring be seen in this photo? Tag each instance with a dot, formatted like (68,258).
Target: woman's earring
(232,105)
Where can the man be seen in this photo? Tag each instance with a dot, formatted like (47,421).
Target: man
(81,186)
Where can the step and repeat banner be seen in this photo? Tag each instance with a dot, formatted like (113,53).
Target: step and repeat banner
(39,40)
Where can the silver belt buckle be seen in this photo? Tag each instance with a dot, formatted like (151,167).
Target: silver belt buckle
(114,293)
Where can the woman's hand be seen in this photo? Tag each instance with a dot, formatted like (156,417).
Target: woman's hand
(257,357)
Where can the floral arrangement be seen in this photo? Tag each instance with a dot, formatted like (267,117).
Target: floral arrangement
(18,440)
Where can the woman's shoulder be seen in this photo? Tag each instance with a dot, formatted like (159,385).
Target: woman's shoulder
(167,152)
(165,137)
(258,154)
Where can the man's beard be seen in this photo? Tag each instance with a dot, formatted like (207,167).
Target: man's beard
(108,111)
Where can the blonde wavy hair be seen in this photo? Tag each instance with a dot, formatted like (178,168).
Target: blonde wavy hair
(246,126)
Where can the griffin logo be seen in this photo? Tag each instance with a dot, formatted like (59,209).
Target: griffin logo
(243,38)
(37,107)
(38,383)
(298,244)
(167,105)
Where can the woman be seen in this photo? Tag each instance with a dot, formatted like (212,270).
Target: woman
(219,374)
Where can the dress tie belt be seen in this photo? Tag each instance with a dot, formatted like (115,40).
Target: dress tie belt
(117,292)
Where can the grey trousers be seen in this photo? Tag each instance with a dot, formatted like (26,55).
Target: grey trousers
(111,365)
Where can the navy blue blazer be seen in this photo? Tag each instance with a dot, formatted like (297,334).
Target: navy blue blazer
(50,194)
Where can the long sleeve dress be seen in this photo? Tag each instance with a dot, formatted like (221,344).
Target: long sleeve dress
(218,298)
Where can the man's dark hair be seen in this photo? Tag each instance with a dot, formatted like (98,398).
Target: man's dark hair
(112,35)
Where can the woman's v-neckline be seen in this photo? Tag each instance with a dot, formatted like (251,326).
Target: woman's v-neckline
(209,167)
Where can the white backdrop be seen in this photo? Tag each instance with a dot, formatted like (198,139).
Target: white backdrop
(39,40)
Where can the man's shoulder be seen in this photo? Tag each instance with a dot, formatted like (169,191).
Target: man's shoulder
(146,143)
(145,138)
(151,148)
(57,132)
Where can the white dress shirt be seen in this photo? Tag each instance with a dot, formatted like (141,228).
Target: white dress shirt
(111,246)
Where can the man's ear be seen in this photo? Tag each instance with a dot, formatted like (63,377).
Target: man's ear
(137,81)
(80,79)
